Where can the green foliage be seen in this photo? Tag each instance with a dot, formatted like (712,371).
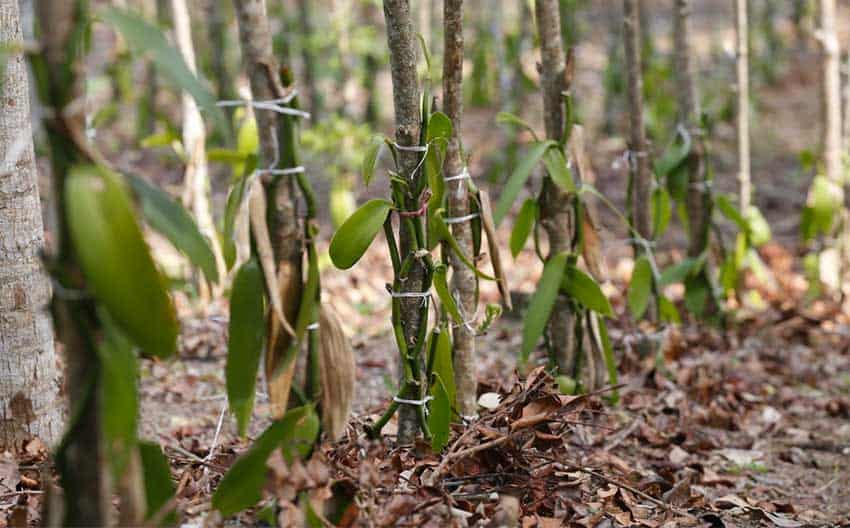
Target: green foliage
(356,234)
(442,287)
(586,291)
(523,225)
(245,341)
(439,419)
(556,167)
(159,488)
(115,259)
(242,485)
(822,206)
(168,217)
(640,288)
(541,303)
(518,178)
(145,37)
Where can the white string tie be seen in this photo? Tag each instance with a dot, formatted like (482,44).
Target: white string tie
(282,172)
(460,219)
(463,175)
(417,403)
(274,105)
(411,148)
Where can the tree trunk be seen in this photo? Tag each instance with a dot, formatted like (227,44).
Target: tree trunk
(831,86)
(556,206)
(743,75)
(79,460)
(29,384)
(463,278)
(314,97)
(197,180)
(640,184)
(400,40)
(281,212)
(698,197)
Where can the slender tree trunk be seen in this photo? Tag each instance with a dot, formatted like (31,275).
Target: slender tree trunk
(400,39)
(29,384)
(831,86)
(314,97)
(281,214)
(79,459)
(699,197)
(463,278)
(197,179)
(640,184)
(556,206)
(743,75)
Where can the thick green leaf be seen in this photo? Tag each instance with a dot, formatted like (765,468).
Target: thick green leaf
(640,287)
(442,362)
(608,356)
(245,341)
(518,178)
(667,311)
(730,211)
(673,156)
(159,488)
(697,292)
(241,487)
(523,225)
(367,168)
(438,134)
(442,234)
(759,228)
(356,234)
(115,259)
(677,184)
(440,416)
(584,289)
(678,272)
(168,217)
(119,401)
(556,167)
(446,299)
(566,384)
(145,37)
(541,303)
(662,211)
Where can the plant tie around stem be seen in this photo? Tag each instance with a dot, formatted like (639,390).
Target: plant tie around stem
(273,105)
(312,327)
(414,403)
(281,172)
(410,295)
(463,175)
(631,156)
(460,219)
(702,186)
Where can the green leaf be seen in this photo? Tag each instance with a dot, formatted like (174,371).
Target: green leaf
(119,401)
(608,357)
(662,211)
(145,37)
(161,139)
(759,228)
(678,272)
(228,156)
(677,183)
(168,217)
(556,167)
(446,299)
(584,289)
(566,385)
(541,303)
(518,178)
(159,488)
(730,211)
(673,156)
(697,291)
(667,311)
(245,341)
(115,259)
(438,134)
(370,160)
(523,225)
(640,287)
(356,234)
(507,118)
(241,487)
(442,362)
(440,417)
(442,234)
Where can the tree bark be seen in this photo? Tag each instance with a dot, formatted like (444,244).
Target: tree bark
(29,384)
(698,196)
(640,184)
(742,61)
(463,278)
(400,40)
(831,94)
(314,97)
(197,179)
(281,214)
(556,207)
(79,459)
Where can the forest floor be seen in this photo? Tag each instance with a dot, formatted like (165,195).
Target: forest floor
(746,426)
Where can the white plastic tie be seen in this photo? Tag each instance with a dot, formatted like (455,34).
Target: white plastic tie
(411,148)
(463,175)
(416,403)
(282,172)
(273,105)
(312,326)
(460,219)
